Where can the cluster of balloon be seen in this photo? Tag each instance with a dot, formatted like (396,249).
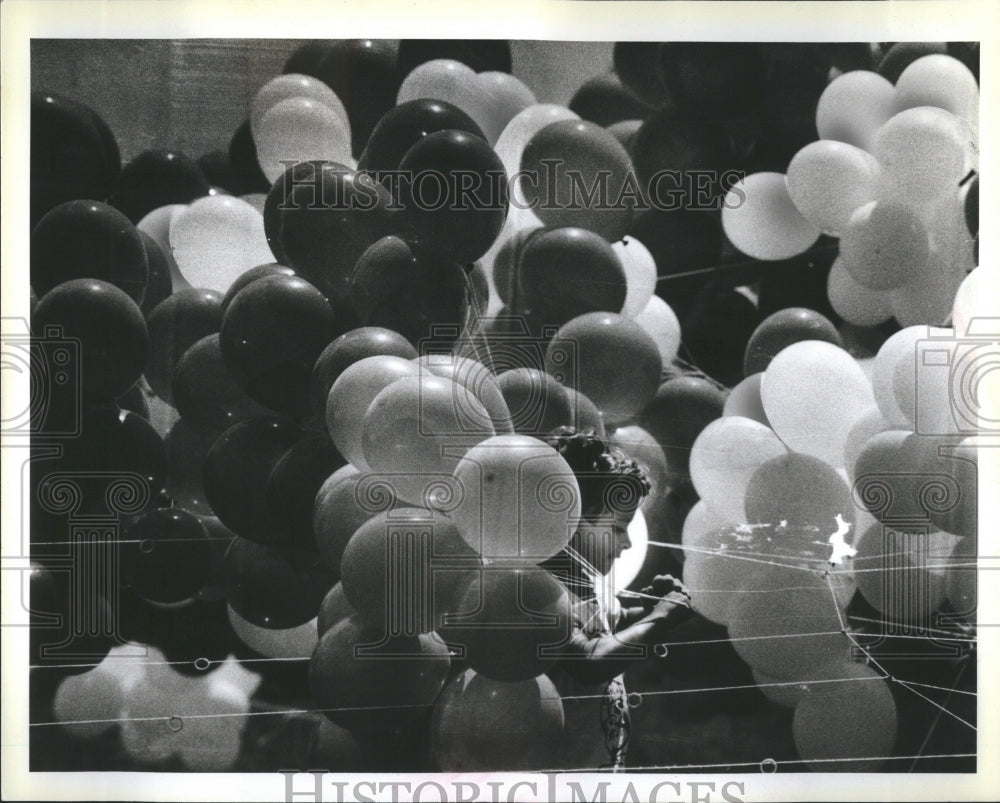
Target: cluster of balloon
(887,178)
(161,715)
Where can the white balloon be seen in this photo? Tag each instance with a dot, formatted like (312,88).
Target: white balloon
(854,302)
(660,322)
(439,79)
(760,219)
(299,130)
(216,239)
(640,274)
(522,127)
(157,225)
(942,81)
(828,180)
(854,106)
(293,85)
(923,152)
(901,347)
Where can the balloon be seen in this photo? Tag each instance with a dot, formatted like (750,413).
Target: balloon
(206,393)
(884,245)
(744,400)
(473,730)
(854,106)
(236,471)
(814,415)
(412,290)
(90,703)
(272,334)
(923,152)
(566,272)
(903,575)
(250,276)
(680,410)
(725,459)
(519,499)
(716,330)
(855,303)
(902,54)
(640,274)
(713,79)
(789,631)
(402,569)
(157,225)
(850,720)
(899,349)
(293,85)
(421,425)
(589,156)
(449,213)
(292,642)
(972,300)
(334,610)
(608,358)
(828,180)
(584,414)
(605,100)
(798,489)
(866,427)
(300,129)
(352,393)
(506,618)
(405,125)
(521,128)
(438,79)
(941,81)
(321,224)
(954,468)
(174,326)
(780,330)
(73,153)
(498,98)
(159,284)
(166,557)
(216,239)
(364,682)
(962,579)
(274,587)
(293,484)
(362,73)
(113,339)
(477,380)
(538,404)
(154,179)
(345,501)
(761,220)
(88,240)
(626,131)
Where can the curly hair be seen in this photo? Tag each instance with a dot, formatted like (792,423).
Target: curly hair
(609,479)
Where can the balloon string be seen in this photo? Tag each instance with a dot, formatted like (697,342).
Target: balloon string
(847,631)
(744,556)
(733,267)
(194,662)
(905,685)
(937,718)
(103,542)
(923,628)
(907,568)
(945,688)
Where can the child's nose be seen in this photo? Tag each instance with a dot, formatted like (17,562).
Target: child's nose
(622,541)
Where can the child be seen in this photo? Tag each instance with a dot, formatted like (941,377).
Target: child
(605,642)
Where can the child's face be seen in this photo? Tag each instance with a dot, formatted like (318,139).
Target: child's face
(601,540)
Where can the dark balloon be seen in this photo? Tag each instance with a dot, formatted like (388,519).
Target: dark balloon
(538,404)
(638,66)
(798,489)
(367,341)
(715,331)
(112,332)
(364,681)
(292,487)
(405,125)
(782,329)
(902,54)
(174,326)
(134,401)
(186,452)
(249,277)
(327,223)
(88,240)
(166,557)
(480,55)
(222,173)
(159,284)
(114,441)
(244,175)
(567,272)
(417,291)
(73,154)
(307,57)
(334,610)
(605,100)
(272,334)
(626,132)
(505,618)
(401,570)
(578,174)
(681,409)
(236,471)
(362,73)
(713,79)
(441,208)
(205,392)
(157,178)
(275,587)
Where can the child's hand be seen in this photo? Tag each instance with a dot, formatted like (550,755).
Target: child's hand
(664,585)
